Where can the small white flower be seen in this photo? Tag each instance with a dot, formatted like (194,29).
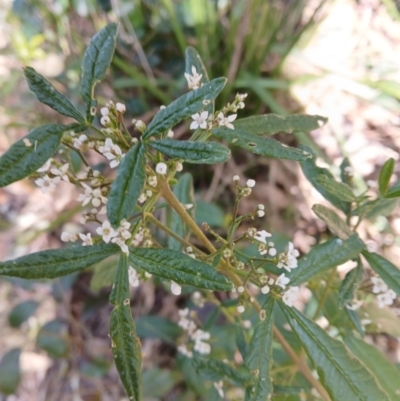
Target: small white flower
(104,111)
(379,285)
(142,198)
(202,348)
(45,166)
(106,231)
(179,166)
(45,183)
(265,289)
(107,147)
(176,289)
(250,183)
(115,155)
(240,309)
(261,235)
(121,243)
(61,171)
(184,351)
(133,277)
(260,213)
(105,120)
(386,298)
(199,120)
(261,207)
(170,134)
(290,296)
(194,79)
(240,289)
(68,237)
(288,261)
(226,121)
(272,252)
(161,168)
(87,239)
(236,178)
(79,142)
(120,107)
(152,181)
(282,280)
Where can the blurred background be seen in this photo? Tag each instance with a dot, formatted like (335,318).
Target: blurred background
(335,58)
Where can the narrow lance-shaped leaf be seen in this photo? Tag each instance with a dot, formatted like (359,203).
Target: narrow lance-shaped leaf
(127,187)
(193,152)
(193,59)
(323,257)
(259,357)
(333,221)
(338,189)
(215,370)
(343,376)
(240,338)
(125,344)
(385,175)
(183,191)
(387,271)
(96,60)
(176,266)
(184,107)
(10,372)
(260,146)
(344,174)
(350,285)
(30,153)
(387,375)
(270,124)
(311,171)
(393,191)
(49,95)
(56,262)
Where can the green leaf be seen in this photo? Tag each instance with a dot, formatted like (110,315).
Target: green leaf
(240,338)
(183,191)
(52,338)
(375,208)
(260,146)
(385,175)
(210,213)
(10,374)
(337,189)
(193,152)
(215,370)
(333,221)
(343,174)
(343,376)
(386,270)
(184,107)
(49,95)
(325,256)
(158,382)
(174,265)
(193,59)
(21,160)
(125,344)
(393,191)
(259,357)
(127,187)
(22,312)
(56,262)
(157,327)
(386,374)
(311,171)
(350,285)
(96,60)
(270,124)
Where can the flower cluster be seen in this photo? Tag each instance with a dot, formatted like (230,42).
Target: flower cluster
(195,334)
(205,121)
(112,152)
(54,174)
(385,295)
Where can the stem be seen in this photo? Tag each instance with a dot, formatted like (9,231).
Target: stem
(79,153)
(301,364)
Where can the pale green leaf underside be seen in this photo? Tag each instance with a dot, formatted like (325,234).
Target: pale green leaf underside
(193,152)
(387,375)
(96,60)
(184,107)
(215,370)
(21,160)
(183,191)
(259,356)
(333,221)
(338,189)
(270,124)
(56,262)
(176,266)
(127,187)
(192,58)
(259,145)
(343,376)
(387,271)
(325,256)
(49,95)
(311,171)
